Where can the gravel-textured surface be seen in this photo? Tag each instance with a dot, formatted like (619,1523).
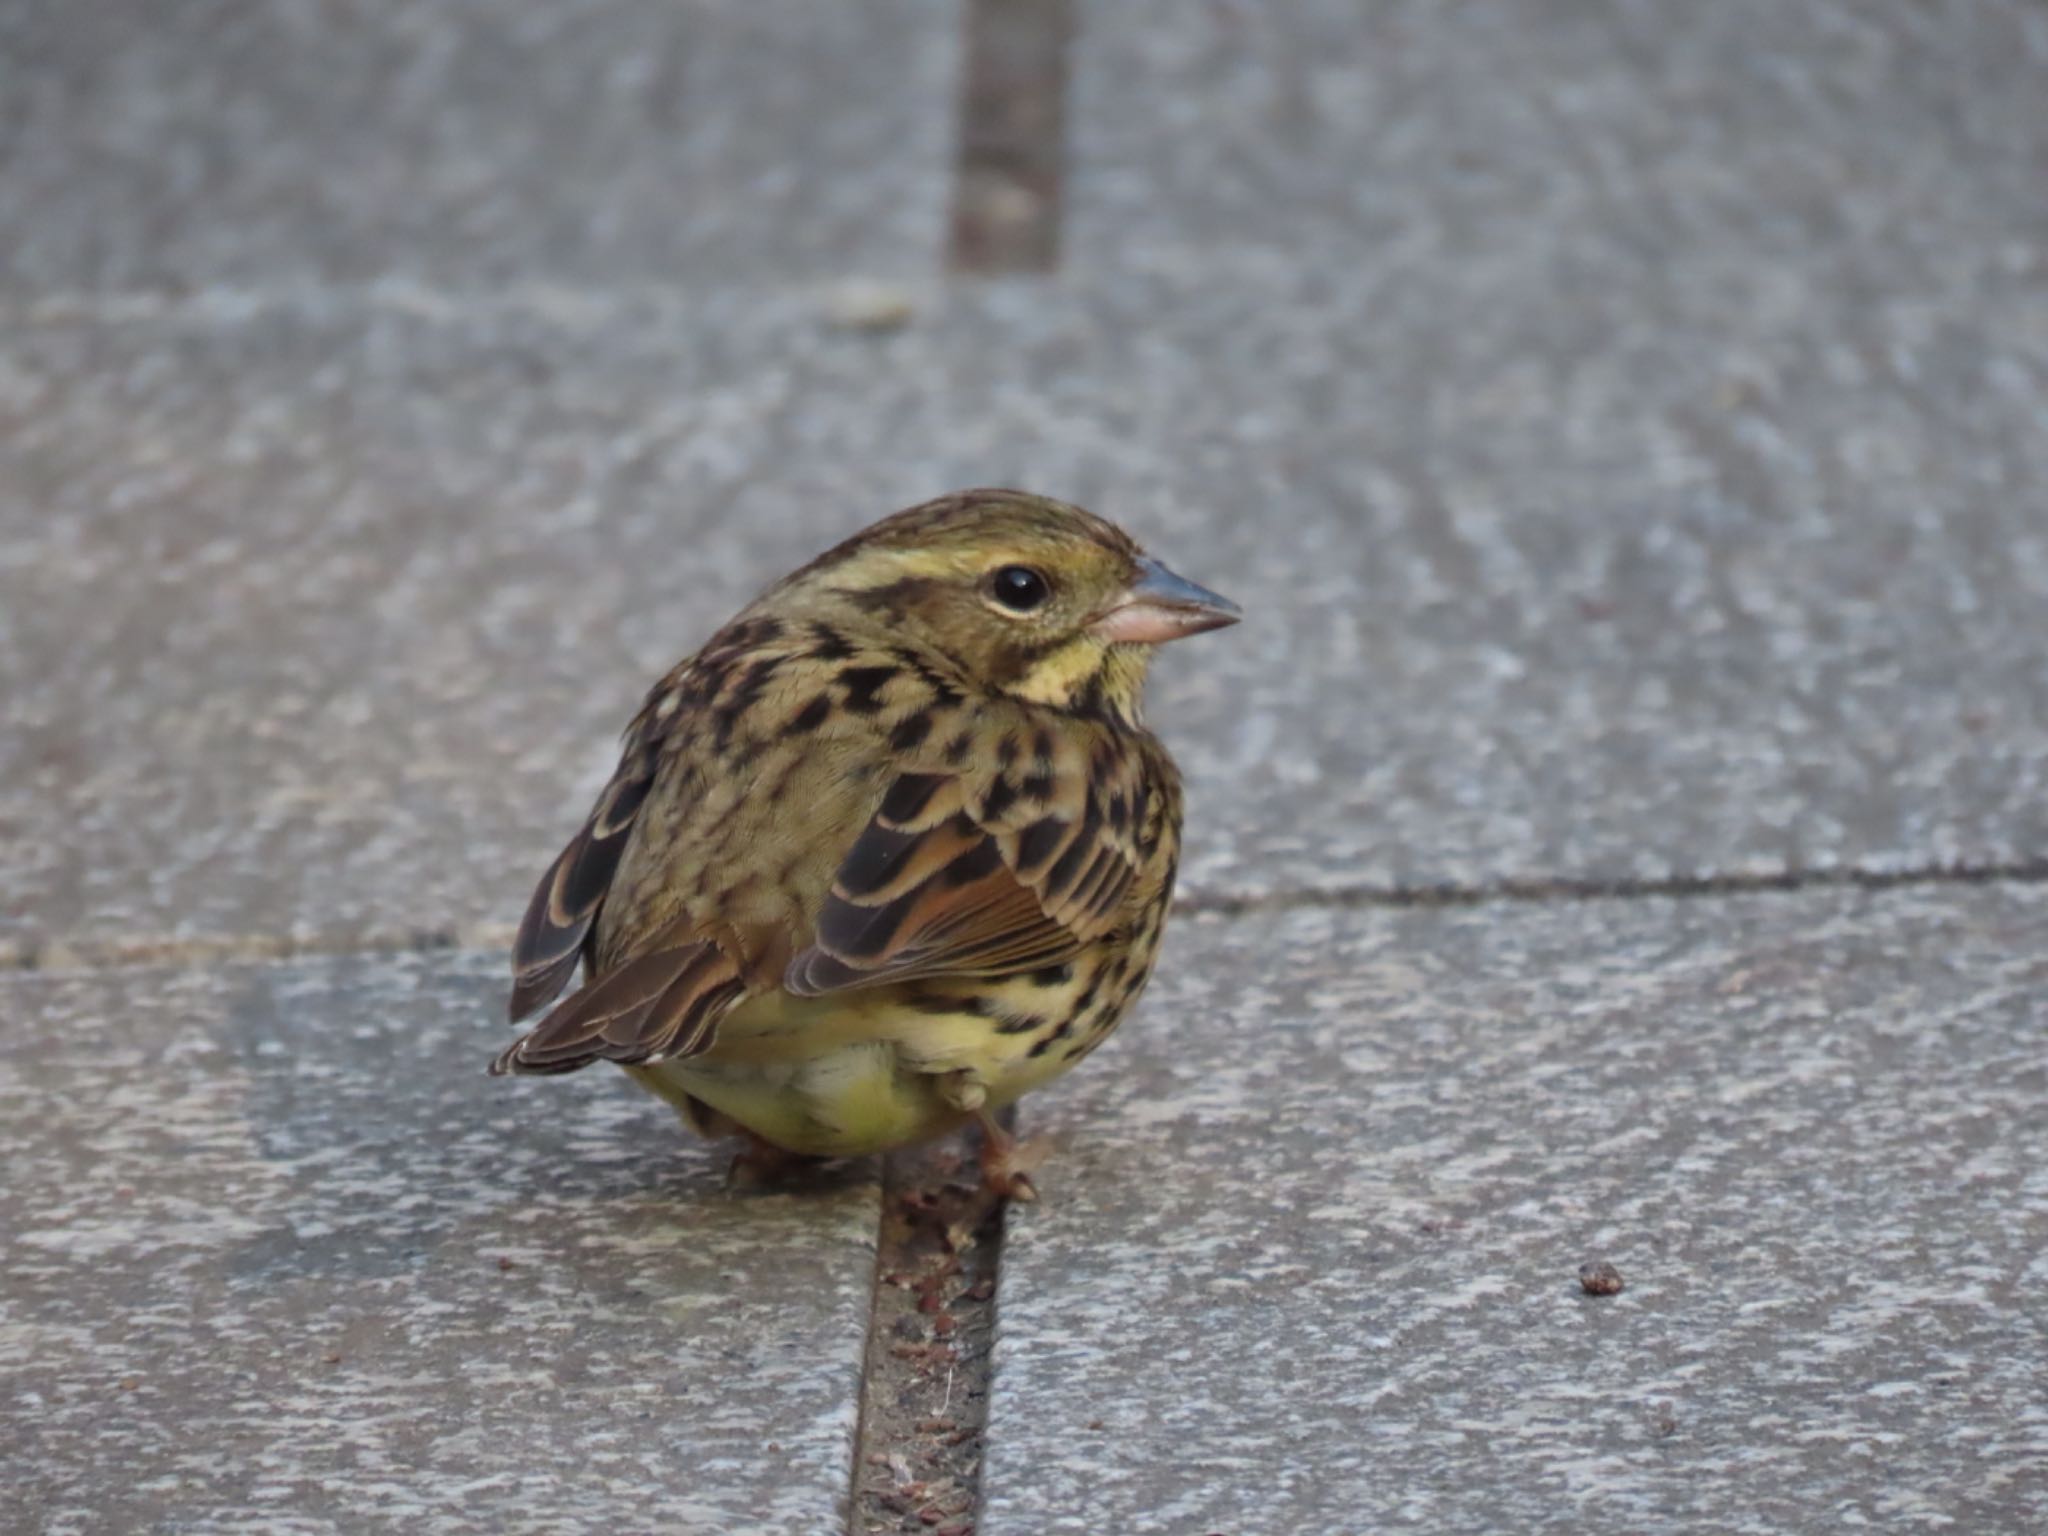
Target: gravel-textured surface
(1309,1258)
(280,1257)
(267,144)
(1590,139)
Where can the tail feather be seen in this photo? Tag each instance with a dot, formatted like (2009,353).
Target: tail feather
(655,1006)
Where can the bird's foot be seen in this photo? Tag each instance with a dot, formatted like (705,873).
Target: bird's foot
(1006,1162)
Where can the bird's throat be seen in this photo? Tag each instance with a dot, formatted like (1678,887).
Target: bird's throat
(1088,676)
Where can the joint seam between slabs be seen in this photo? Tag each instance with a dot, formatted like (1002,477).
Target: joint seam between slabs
(90,954)
(1551,889)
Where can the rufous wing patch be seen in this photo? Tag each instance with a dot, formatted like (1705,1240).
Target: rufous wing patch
(929,888)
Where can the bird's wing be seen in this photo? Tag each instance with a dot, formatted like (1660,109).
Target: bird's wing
(566,903)
(959,876)
(664,1001)
(702,697)
(677,811)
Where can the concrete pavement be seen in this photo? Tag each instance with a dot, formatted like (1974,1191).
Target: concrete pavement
(1623,425)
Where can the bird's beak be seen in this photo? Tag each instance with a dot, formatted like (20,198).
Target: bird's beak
(1160,606)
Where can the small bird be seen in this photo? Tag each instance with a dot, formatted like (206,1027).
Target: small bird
(893,848)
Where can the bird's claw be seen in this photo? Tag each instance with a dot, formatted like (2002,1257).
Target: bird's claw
(1006,1162)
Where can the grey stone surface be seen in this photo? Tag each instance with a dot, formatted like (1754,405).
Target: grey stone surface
(279,1257)
(240,143)
(1681,369)
(1595,139)
(322,617)
(1309,1254)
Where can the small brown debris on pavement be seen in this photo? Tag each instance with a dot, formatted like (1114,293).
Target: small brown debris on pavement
(1601,1279)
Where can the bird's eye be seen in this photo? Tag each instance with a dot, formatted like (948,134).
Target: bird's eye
(1019,588)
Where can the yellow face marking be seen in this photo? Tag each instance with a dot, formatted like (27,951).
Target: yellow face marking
(1060,675)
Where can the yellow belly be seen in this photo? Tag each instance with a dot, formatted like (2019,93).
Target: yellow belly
(862,1072)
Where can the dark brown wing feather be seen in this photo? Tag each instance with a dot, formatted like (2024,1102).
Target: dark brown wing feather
(941,883)
(565,905)
(657,1005)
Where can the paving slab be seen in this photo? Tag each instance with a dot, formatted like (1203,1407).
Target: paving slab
(1642,340)
(279,1257)
(1313,1225)
(260,143)
(1622,135)
(320,618)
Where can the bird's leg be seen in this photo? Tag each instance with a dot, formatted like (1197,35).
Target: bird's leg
(762,1162)
(1006,1162)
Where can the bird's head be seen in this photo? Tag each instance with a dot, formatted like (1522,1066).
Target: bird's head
(1029,596)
